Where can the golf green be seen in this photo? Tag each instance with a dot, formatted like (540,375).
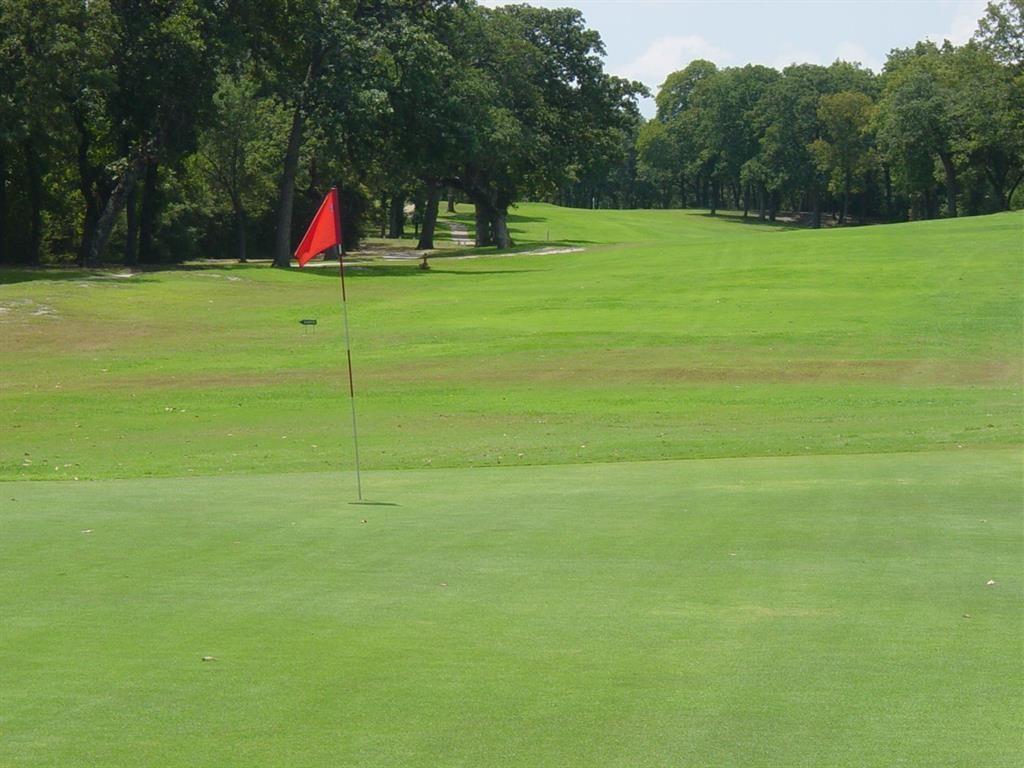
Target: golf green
(789,611)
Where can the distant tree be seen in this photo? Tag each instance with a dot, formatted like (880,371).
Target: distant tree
(786,117)
(724,134)
(239,152)
(988,108)
(538,107)
(844,151)
(916,117)
(674,94)
(55,79)
(669,156)
(1001,31)
(295,47)
(659,160)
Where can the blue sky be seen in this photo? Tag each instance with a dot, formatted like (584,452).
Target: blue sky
(647,39)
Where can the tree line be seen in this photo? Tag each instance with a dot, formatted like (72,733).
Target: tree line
(156,130)
(145,131)
(940,132)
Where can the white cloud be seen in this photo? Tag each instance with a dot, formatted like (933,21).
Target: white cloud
(668,54)
(791,55)
(854,52)
(965,22)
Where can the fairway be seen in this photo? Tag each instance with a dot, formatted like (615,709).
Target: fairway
(705,492)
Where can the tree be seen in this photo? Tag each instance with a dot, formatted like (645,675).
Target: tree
(163,58)
(786,116)
(724,134)
(54,59)
(916,116)
(665,146)
(988,105)
(1001,32)
(844,151)
(538,108)
(674,94)
(239,152)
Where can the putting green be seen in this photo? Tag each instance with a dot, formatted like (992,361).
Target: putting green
(794,611)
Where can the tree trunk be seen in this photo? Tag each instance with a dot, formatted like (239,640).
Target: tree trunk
(451,201)
(714,197)
(147,214)
(286,192)
(353,207)
(419,202)
(846,198)
(396,216)
(499,225)
(868,184)
(131,236)
(483,224)
(815,193)
(888,192)
(998,179)
(383,215)
(86,179)
(947,165)
(426,242)
(286,188)
(105,222)
(131,239)
(236,203)
(1013,188)
(35,199)
(3,205)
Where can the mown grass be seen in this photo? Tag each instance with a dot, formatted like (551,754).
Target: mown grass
(765,478)
(758,612)
(727,340)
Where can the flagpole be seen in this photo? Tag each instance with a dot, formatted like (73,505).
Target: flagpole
(351,385)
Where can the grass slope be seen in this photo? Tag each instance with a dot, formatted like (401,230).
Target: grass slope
(820,598)
(700,338)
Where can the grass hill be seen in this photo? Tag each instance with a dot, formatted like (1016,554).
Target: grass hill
(672,335)
(705,492)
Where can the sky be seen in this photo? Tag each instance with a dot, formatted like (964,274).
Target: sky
(648,39)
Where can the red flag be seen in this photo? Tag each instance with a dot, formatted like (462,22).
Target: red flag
(324,231)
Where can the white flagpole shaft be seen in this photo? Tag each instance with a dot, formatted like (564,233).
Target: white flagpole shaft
(351,385)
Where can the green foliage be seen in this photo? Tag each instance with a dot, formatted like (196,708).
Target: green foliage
(939,122)
(1001,31)
(844,151)
(235,165)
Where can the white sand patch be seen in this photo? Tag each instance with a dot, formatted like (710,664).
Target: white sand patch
(10,311)
(536,252)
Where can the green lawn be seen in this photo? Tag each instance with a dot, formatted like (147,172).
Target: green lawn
(763,478)
(702,338)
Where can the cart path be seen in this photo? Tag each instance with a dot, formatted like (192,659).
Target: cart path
(460,234)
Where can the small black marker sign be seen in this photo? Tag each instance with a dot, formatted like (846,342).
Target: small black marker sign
(308,322)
